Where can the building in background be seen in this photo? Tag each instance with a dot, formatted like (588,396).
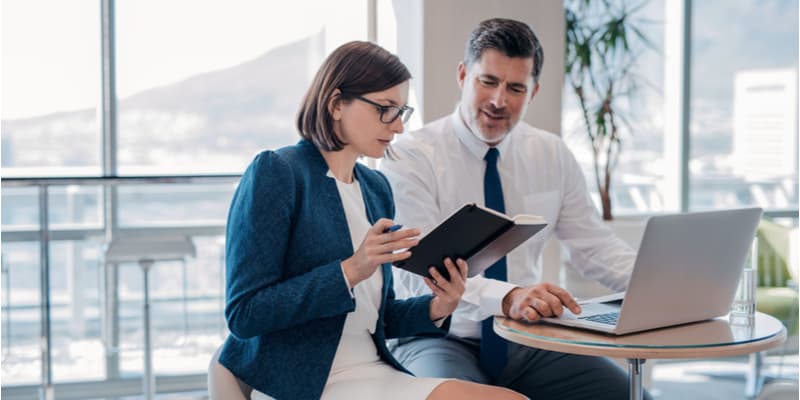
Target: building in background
(765,124)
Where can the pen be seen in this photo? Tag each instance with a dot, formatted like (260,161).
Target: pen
(392,228)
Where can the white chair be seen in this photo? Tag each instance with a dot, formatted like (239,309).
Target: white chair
(222,384)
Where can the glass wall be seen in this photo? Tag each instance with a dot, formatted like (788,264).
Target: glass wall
(744,104)
(76,288)
(206,97)
(637,178)
(21,314)
(743,118)
(201,88)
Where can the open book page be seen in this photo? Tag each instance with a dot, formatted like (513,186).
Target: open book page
(528,219)
(525,219)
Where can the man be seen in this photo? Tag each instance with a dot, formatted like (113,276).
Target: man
(483,153)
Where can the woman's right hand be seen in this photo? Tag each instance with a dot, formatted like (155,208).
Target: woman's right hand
(378,248)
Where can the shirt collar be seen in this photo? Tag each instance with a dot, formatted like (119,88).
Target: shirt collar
(476,146)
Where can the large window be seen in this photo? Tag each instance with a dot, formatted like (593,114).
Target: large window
(744,104)
(201,86)
(203,91)
(742,107)
(637,179)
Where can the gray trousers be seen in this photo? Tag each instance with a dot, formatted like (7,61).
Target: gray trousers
(538,374)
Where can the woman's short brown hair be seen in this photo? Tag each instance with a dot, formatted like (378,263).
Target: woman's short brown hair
(355,68)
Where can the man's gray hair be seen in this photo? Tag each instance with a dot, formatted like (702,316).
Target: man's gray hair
(510,37)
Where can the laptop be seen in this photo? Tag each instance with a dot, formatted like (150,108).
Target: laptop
(687,270)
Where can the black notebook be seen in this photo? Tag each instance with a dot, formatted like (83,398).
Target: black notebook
(479,235)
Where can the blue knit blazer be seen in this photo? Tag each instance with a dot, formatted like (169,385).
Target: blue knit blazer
(286,296)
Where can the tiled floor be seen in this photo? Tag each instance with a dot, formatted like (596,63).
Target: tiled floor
(720,379)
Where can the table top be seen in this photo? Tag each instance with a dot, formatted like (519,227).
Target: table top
(711,338)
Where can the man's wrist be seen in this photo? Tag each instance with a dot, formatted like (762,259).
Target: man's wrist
(508,301)
(492,295)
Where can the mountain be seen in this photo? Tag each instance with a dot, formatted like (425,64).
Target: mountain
(210,122)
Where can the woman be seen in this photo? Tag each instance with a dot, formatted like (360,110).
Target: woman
(310,242)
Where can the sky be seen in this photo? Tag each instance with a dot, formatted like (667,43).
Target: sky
(51,56)
(51,48)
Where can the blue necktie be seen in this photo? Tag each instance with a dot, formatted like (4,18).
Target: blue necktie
(493,347)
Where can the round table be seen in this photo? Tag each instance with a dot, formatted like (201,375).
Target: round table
(706,339)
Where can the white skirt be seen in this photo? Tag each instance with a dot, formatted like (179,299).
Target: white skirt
(376,380)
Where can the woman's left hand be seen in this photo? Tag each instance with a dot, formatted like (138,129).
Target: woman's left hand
(446,293)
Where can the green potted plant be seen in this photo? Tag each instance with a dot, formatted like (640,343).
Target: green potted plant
(600,54)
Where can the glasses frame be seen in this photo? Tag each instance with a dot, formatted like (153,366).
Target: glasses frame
(405,111)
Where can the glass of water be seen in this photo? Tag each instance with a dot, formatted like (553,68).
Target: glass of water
(743,309)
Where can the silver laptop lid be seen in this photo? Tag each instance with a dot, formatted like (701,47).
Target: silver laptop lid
(687,268)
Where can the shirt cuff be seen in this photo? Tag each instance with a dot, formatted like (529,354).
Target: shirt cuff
(346,282)
(439,322)
(492,296)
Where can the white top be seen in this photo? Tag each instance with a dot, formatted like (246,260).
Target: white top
(356,346)
(440,168)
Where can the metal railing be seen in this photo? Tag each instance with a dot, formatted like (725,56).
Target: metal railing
(109,229)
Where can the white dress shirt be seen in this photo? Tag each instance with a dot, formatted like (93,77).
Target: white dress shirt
(440,167)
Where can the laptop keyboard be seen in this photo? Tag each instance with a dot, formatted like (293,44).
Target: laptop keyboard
(607,318)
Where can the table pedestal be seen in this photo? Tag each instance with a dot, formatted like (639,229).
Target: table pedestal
(635,367)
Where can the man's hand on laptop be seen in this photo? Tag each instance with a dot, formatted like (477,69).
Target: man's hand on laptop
(538,301)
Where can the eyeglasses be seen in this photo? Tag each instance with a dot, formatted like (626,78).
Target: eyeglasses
(389,113)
